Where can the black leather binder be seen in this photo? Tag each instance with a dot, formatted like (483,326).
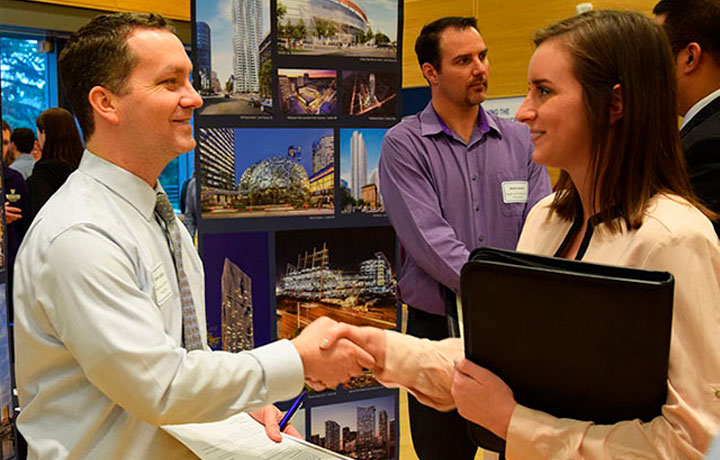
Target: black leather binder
(570,338)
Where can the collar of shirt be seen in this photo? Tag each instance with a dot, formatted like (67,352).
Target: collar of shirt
(25,157)
(123,183)
(699,105)
(431,124)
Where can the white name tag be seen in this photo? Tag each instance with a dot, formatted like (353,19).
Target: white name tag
(161,283)
(515,191)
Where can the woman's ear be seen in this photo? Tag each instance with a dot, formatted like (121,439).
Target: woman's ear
(616,106)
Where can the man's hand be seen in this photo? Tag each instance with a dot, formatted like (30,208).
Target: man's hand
(12,213)
(328,359)
(370,339)
(270,417)
(482,397)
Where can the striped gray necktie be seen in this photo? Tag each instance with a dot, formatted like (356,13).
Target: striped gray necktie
(191,330)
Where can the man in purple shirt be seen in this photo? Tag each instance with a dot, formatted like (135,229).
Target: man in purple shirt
(453,178)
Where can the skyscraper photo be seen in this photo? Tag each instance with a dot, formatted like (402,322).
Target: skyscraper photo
(233,57)
(247,35)
(359,179)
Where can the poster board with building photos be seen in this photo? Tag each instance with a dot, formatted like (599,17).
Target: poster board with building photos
(7,437)
(298,95)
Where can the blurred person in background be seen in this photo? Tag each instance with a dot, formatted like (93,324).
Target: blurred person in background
(61,147)
(16,206)
(19,158)
(692,27)
(189,206)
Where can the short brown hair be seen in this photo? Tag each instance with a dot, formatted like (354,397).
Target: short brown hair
(639,155)
(427,45)
(98,55)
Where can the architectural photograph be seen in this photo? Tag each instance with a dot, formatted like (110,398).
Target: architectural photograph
(359,178)
(369,94)
(346,274)
(308,91)
(364,429)
(237,290)
(266,172)
(233,62)
(298,421)
(6,403)
(352,28)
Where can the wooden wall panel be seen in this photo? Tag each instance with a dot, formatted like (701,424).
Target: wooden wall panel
(507,27)
(171,8)
(417,14)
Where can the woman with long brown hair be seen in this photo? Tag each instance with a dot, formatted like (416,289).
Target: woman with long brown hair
(62,149)
(601,107)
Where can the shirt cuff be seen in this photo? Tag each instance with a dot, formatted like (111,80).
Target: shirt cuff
(528,433)
(282,369)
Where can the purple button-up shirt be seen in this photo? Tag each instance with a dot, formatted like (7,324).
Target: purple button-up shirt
(445,197)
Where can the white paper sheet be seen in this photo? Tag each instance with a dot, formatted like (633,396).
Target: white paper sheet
(242,438)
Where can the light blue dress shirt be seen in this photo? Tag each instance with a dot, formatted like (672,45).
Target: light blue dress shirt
(98,320)
(24,164)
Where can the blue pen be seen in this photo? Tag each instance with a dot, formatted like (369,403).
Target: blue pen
(291,412)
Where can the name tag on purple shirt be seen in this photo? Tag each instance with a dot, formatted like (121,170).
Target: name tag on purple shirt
(515,191)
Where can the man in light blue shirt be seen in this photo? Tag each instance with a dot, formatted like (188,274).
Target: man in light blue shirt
(714,452)
(110,312)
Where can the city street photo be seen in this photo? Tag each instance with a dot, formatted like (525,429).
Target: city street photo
(233,57)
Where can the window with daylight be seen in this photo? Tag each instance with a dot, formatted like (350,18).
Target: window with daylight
(29,79)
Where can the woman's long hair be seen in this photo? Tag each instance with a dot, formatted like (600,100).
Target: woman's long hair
(638,155)
(62,140)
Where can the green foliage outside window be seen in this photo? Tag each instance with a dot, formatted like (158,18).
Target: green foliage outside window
(24,81)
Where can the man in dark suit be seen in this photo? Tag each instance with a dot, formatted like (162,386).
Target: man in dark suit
(692,26)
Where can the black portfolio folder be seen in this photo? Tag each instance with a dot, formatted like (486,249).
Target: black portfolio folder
(573,339)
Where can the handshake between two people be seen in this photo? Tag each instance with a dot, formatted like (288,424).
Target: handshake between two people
(435,372)
(333,352)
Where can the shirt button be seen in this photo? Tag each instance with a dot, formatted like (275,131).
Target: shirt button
(481,238)
(717,394)
(473,177)
(477,208)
